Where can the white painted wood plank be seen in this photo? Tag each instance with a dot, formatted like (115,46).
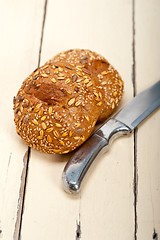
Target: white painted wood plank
(20,24)
(105,204)
(147,38)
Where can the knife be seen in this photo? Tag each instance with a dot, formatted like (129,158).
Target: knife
(123,123)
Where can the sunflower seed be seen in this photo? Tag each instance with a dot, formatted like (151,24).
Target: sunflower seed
(104,73)
(58,125)
(70,133)
(41,133)
(49,139)
(99,104)
(56,134)
(113,105)
(86,71)
(69,67)
(40,112)
(74,78)
(64,134)
(44,75)
(61,142)
(67,80)
(56,150)
(44,125)
(89,84)
(35,121)
(76,137)
(50,110)
(87,118)
(71,101)
(39,137)
(66,151)
(53,80)
(86,80)
(78,103)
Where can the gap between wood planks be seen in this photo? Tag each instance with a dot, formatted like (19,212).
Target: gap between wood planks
(155,235)
(78,222)
(78,231)
(21,200)
(135,180)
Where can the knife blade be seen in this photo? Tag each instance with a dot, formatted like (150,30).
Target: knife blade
(123,123)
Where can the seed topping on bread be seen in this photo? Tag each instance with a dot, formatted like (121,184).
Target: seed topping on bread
(58,105)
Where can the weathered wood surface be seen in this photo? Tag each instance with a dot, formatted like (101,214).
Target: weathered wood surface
(120,196)
(147,39)
(20,25)
(100,205)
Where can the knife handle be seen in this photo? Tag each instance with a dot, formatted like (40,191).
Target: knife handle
(78,165)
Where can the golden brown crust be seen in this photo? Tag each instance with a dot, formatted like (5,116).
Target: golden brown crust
(56,108)
(59,104)
(109,79)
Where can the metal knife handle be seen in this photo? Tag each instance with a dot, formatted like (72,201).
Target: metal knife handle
(78,165)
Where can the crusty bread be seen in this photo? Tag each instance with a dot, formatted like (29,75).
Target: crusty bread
(109,79)
(58,105)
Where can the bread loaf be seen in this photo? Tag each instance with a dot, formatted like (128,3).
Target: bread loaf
(108,78)
(58,105)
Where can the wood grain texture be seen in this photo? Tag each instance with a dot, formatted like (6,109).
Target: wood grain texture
(147,39)
(20,36)
(106,200)
(108,206)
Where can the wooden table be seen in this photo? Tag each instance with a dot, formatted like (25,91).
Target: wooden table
(120,199)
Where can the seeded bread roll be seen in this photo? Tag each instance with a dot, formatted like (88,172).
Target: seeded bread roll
(99,68)
(58,105)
